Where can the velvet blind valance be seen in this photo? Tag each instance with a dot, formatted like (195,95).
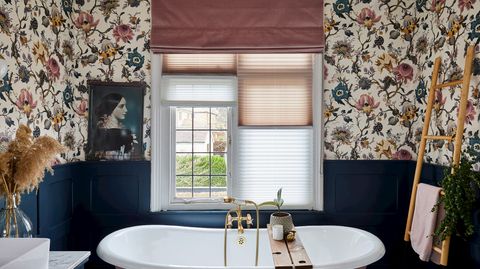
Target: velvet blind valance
(237,26)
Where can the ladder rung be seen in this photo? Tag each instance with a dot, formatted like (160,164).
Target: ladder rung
(437,249)
(438,137)
(449,84)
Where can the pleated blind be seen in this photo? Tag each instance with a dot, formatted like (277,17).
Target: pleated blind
(268,159)
(199,63)
(179,90)
(275,89)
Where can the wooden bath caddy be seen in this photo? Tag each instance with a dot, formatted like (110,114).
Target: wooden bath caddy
(288,254)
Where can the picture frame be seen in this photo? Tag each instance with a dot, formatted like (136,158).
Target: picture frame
(115,120)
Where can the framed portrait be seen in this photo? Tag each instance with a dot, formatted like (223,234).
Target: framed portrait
(115,120)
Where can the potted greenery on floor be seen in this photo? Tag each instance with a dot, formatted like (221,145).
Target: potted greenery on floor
(460,189)
(280,217)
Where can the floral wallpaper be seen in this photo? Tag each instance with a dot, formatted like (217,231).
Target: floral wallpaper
(378,60)
(378,65)
(53,48)
(371,110)
(447,28)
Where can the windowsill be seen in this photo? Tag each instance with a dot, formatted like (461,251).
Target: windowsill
(223,211)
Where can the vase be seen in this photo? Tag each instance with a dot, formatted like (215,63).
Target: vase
(13,221)
(283,218)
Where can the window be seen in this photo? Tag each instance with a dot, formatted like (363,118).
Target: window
(201,148)
(242,125)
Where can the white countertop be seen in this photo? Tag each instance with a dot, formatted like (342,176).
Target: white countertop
(67,259)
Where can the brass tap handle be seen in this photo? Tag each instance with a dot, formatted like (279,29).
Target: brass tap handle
(249,221)
(229,221)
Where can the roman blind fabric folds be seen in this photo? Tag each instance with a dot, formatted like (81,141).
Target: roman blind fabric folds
(237,26)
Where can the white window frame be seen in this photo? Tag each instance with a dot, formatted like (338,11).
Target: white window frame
(161,151)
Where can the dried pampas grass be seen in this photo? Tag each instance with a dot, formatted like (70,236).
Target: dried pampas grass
(22,167)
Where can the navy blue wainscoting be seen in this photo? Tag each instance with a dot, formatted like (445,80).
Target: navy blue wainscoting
(85,201)
(370,195)
(55,207)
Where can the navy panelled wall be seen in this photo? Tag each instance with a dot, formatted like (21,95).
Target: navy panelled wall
(55,210)
(82,202)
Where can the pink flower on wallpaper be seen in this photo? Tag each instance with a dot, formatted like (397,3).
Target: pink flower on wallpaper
(366,103)
(85,21)
(325,72)
(82,108)
(468,4)
(470,113)
(402,154)
(123,32)
(367,17)
(403,72)
(25,102)
(439,100)
(53,69)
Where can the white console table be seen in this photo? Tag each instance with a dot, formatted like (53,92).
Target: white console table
(67,259)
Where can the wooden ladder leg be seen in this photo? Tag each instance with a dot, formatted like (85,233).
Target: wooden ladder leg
(459,134)
(421,150)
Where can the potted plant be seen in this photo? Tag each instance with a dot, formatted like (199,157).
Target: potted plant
(280,217)
(460,188)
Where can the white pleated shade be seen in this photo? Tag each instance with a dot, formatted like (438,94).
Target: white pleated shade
(199,90)
(268,159)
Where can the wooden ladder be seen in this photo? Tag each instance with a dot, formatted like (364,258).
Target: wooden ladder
(465,81)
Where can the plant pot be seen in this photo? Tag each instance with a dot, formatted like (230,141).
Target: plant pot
(283,218)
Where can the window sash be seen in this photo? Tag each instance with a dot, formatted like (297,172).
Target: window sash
(195,203)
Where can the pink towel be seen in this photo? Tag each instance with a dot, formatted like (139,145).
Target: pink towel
(424,220)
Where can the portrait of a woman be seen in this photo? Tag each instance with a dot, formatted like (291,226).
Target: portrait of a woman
(111,137)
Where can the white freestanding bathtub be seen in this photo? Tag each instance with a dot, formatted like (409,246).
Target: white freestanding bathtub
(160,246)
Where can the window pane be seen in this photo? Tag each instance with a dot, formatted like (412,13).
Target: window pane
(219,141)
(201,152)
(184,141)
(183,186)
(201,164)
(219,164)
(184,117)
(201,186)
(219,118)
(183,164)
(219,186)
(201,141)
(201,118)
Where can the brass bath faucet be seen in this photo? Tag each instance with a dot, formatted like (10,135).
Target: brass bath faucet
(239,218)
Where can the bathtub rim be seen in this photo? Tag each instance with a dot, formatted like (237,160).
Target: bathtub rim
(363,260)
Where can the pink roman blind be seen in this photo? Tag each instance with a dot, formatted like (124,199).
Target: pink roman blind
(237,26)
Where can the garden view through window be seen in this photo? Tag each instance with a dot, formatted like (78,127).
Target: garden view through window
(201,145)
